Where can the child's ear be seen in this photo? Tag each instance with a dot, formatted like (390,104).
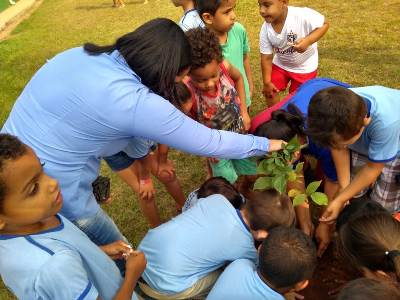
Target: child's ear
(260,234)
(2,224)
(207,18)
(301,285)
(366,121)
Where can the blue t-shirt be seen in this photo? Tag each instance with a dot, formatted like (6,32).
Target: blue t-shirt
(195,243)
(302,100)
(60,263)
(380,140)
(191,20)
(78,108)
(240,280)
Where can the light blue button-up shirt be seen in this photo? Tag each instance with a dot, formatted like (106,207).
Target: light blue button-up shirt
(78,108)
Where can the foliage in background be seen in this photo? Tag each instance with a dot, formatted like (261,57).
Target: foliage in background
(279,168)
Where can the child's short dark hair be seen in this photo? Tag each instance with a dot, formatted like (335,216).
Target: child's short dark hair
(287,256)
(205,47)
(219,185)
(367,288)
(282,126)
(11,148)
(335,111)
(183,95)
(268,209)
(207,6)
(372,242)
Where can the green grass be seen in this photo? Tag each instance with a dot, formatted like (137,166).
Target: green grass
(361,48)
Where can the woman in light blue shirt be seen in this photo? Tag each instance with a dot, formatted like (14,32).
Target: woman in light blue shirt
(89,102)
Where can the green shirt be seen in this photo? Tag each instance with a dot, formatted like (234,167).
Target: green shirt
(234,50)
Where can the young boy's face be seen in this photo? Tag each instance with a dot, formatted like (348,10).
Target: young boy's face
(224,17)
(272,10)
(206,78)
(340,143)
(31,196)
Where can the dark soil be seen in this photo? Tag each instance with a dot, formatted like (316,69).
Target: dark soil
(330,275)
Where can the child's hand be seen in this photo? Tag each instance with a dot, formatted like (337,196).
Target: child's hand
(301,45)
(269,89)
(166,171)
(323,235)
(146,188)
(332,211)
(246,120)
(135,263)
(117,250)
(213,160)
(307,227)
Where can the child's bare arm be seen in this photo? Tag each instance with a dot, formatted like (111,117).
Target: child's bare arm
(314,36)
(239,85)
(135,265)
(165,168)
(247,69)
(364,178)
(266,69)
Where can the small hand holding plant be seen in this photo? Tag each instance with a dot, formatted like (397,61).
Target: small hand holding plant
(278,168)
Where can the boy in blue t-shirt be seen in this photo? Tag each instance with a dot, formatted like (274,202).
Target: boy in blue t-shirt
(287,259)
(185,255)
(361,125)
(190,18)
(42,254)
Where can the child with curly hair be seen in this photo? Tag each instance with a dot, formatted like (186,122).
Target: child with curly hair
(218,98)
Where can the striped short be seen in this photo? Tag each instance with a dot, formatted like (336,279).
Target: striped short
(386,189)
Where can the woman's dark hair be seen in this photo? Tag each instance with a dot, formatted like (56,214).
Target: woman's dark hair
(207,6)
(282,126)
(367,288)
(156,51)
(219,185)
(11,148)
(335,111)
(287,257)
(183,95)
(205,47)
(372,242)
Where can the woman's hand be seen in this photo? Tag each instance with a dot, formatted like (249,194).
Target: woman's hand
(275,145)
(117,250)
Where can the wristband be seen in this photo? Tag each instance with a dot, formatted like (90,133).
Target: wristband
(145,181)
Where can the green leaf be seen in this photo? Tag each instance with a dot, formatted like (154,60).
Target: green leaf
(279,183)
(292,176)
(293,193)
(271,168)
(263,183)
(319,198)
(279,162)
(274,154)
(286,152)
(299,199)
(262,167)
(270,161)
(312,187)
(299,167)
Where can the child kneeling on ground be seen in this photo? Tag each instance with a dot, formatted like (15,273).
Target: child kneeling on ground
(185,255)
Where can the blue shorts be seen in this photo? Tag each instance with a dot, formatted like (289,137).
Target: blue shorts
(119,161)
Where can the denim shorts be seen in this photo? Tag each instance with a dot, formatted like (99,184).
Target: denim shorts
(119,161)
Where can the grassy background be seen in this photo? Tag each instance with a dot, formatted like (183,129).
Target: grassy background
(361,48)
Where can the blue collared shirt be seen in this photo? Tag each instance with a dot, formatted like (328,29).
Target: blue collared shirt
(78,108)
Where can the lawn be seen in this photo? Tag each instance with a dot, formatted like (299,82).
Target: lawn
(361,48)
